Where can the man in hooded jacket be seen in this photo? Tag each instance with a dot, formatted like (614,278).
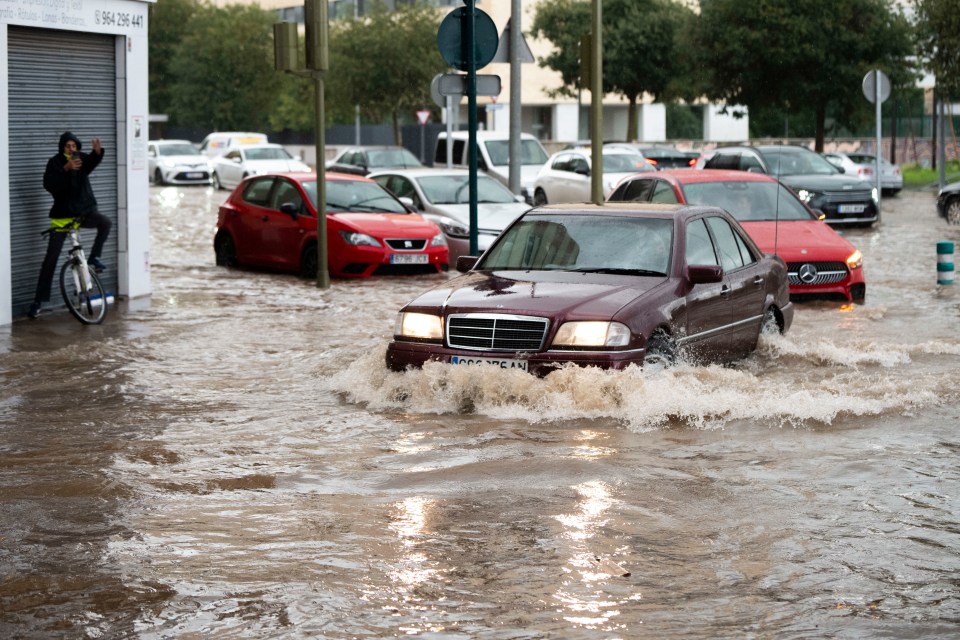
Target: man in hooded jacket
(67,178)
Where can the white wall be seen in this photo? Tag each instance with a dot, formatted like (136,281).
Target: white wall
(720,127)
(652,125)
(566,122)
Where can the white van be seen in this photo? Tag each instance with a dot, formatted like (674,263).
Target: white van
(493,156)
(218,142)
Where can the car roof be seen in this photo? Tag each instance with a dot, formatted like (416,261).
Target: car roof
(646,209)
(417,172)
(169,141)
(311,175)
(690,176)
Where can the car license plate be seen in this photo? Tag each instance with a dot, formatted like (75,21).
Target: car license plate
(503,363)
(851,208)
(409,258)
(193,175)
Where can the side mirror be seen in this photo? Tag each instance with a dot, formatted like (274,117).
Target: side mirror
(704,273)
(290,209)
(465,263)
(841,170)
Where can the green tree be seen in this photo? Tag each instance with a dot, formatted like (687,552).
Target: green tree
(223,69)
(800,55)
(938,38)
(639,47)
(383,62)
(166,20)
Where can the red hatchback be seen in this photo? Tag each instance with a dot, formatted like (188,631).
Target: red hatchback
(271,221)
(819,260)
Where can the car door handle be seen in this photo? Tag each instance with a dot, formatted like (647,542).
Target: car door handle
(725,290)
(758,281)
(264,218)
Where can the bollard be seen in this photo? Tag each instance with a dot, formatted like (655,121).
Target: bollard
(945,271)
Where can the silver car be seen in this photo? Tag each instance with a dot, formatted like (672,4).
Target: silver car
(443,196)
(177,162)
(863,166)
(232,167)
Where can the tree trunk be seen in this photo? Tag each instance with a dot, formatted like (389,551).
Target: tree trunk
(821,126)
(632,119)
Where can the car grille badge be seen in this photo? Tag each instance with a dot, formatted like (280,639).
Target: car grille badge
(807,273)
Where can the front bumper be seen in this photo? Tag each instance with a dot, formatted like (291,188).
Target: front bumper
(402,355)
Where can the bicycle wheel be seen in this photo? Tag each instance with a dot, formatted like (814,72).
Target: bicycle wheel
(89,307)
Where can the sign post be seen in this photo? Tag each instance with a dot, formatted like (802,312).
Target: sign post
(876,88)
(423,116)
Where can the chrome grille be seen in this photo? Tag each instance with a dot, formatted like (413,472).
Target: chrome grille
(406,244)
(848,196)
(826,272)
(496,332)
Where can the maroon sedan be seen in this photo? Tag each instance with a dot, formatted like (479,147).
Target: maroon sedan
(609,286)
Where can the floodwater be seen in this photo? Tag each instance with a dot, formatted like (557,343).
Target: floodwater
(231,460)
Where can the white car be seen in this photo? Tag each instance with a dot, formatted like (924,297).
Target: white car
(566,176)
(177,162)
(251,160)
(493,156)
(443,196)
(863,166)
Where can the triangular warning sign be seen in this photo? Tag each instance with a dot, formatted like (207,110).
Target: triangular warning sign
(524,56)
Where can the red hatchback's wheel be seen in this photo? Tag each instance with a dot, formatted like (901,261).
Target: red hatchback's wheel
(309,263)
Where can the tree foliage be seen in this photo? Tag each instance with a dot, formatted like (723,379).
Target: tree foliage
(800,55)
(640,47)
(223,75)
(384,62)
(166,20)
(938,40)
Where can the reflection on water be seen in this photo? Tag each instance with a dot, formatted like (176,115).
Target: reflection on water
(234,460)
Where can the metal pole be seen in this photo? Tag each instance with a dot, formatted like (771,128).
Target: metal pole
(596,106)
(879,115)
(319,65)
(472,122)
(356,136)
(516,159)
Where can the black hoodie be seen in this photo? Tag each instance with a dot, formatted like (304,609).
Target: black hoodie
(71,190)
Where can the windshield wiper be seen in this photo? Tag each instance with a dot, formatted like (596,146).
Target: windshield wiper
(619,271)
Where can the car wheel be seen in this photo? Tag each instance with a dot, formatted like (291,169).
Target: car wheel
(216,182)
(661,351)
(309,262)
(953,210)
(158,177)
(539,198)
(225,250)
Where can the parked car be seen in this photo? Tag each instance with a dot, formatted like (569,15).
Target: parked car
(842,199)
(251,160)
(177,162)
(218,142)
(661,156)
(365,159)
(948,203)
(443,195)
(271,221)
(819,261)
(493,156)
(864,166)
(566,175)
(607,285)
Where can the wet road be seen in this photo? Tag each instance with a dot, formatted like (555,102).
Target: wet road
(230,459)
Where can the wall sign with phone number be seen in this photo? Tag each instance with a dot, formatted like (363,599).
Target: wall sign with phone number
(118,19)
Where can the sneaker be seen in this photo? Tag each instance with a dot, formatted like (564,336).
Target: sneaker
(96,264)
(34,311)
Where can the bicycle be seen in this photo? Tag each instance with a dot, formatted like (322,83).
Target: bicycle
(80,287)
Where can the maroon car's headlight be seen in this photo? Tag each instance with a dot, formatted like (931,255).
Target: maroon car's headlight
(419,326)
(855,261)
(592,334)
(359,239)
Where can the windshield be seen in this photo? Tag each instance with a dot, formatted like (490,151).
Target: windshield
(355,195)
(455,189)
(531,152)
(268,153)
(786,161)
(177,150)
(391,158)
(625,163)
(748,201)
(588,243)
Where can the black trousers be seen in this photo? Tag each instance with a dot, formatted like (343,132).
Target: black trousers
(95,220)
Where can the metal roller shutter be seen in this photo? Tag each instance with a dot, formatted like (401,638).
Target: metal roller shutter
(58,81)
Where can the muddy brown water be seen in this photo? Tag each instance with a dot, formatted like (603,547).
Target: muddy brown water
(230,459)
